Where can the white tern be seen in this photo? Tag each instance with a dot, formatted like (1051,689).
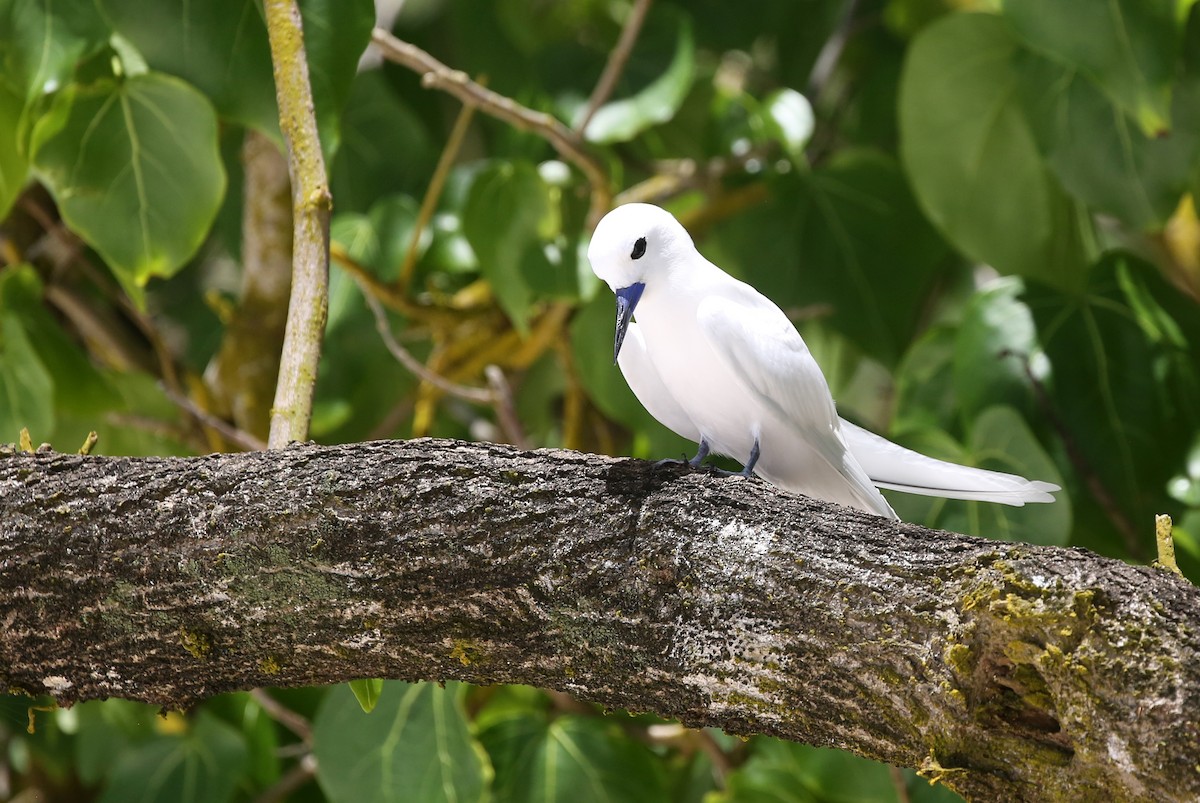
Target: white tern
(720,364)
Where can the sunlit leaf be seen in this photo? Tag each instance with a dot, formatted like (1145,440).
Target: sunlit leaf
(996,349)
(972,158)
(367,692)
(622,120)
(501,220)
(14,168)
(135,169)
(792,116)
(414,746)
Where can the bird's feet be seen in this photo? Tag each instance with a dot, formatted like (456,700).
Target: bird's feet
(695,462)
(747,470)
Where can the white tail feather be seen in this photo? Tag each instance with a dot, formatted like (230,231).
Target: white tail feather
(890,465)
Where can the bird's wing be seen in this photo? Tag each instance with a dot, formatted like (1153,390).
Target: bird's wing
(890,465)
(644,380)
(757,342)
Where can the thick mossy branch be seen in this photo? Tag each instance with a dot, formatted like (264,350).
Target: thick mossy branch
(1007,671)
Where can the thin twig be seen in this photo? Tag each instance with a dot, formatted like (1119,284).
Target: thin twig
(616,63)
(831,52)
(899,783)
(301,773)
(1091,478)
(434,192)
(283,715)
(435,75)
(506,413)
(389,296)
(477,395)
(203,417)
(311,202)
(75,255)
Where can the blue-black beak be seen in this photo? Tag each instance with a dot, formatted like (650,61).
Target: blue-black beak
(627,299)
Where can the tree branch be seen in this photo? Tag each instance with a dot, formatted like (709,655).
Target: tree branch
(616,63)
(435,75)
(1007,671)
(311,202)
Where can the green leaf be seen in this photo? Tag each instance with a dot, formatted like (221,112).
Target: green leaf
(367,692)
(792,117)
(83,395)
(1128,47)
(135,170)
(501,220)
(572,759)
(336,33)
(394,219)
(26,389)
(1126,381)
(1098,153)
(866,250)
(925,382)
(592,330)
(996,341)
(847,237)
(204,764)
(622,120)
(377,125)
(108,729)
(41,41)
(415,747)
(218,46)
(786,772)
(972,159)
(221,47)
(1001,441)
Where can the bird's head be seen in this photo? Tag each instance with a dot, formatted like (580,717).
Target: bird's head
(632,246)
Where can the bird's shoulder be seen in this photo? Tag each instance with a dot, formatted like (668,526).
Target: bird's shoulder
(738,307)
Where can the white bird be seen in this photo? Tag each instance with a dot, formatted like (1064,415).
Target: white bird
(720,364)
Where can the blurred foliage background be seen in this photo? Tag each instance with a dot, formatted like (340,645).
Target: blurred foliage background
(980,214)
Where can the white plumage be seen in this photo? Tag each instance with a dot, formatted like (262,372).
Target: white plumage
(720,364)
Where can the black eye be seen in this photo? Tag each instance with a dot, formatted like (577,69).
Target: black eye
(639,248)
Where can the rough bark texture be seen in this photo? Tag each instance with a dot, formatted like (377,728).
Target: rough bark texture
(1008,671)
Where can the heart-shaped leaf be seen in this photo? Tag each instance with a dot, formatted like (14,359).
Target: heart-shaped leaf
(135,169)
